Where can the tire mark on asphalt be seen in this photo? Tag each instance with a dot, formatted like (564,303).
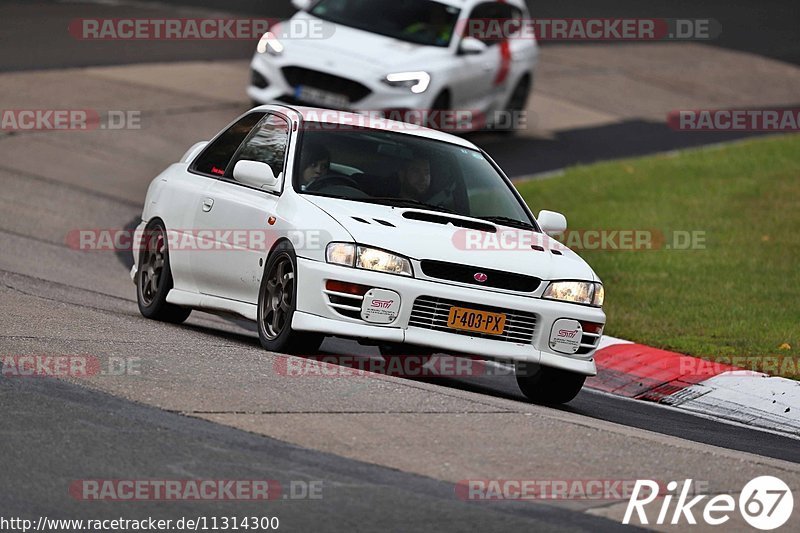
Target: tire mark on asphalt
(70,186)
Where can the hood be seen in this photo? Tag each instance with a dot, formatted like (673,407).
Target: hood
(386,227)
(343,47)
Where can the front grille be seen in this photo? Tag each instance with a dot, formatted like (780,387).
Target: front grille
(258,80)
(353,90)
(431,313)
(466,274)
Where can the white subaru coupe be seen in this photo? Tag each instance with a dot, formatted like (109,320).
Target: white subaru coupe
(313,222)
(401,58)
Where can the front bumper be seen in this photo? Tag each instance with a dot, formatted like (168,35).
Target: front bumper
(315,313)
(382,96)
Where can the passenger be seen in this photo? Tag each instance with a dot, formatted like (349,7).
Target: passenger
(316,163)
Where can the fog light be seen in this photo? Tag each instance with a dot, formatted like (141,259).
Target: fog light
(591,327)
(346,288)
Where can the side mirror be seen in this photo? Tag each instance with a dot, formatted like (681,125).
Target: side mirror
(255,174)
(302,5)
(551,222)
(471,46)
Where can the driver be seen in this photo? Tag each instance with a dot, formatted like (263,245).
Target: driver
(415,184)
(415,179)
(437,28)
(316,163)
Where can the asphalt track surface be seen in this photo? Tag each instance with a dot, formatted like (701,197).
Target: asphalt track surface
(201,379)
(34,38)
(767,28)
(59,432)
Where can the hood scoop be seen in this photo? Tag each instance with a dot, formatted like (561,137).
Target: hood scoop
(445,220)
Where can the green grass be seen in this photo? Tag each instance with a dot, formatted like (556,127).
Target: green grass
(740,296)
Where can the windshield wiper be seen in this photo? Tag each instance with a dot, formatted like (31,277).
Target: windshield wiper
(406,202)
(513,222)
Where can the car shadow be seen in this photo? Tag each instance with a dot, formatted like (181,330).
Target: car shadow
(477,375)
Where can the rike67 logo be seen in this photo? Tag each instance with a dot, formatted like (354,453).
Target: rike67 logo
(765,503)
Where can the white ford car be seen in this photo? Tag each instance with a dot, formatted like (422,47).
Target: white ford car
(315,222)
(400,58)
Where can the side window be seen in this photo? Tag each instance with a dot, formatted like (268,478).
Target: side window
(215,157)
(266,144)
(490,20)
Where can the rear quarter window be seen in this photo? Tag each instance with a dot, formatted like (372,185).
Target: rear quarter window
(218,154)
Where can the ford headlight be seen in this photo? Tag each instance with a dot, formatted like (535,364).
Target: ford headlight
(348,254)
(416,81)
(270,44)
(579,292)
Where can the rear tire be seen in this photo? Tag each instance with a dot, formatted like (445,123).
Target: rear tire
(517,103)
(154,278)
(547,385)
(277,301)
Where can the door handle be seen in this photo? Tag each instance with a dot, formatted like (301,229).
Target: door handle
(208,203)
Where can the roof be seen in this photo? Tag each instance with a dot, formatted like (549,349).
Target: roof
(374,121)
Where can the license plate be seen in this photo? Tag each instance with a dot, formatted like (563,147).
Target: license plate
(478,321)
(320,97)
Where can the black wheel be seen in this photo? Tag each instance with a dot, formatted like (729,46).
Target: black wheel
(517,103)
(542,384)
(154,279)
(277,300)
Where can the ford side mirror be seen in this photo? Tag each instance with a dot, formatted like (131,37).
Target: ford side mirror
(471,46)
(255,174)
(551,222)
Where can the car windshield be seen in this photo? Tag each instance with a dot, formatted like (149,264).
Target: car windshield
(402,170)
(417,21)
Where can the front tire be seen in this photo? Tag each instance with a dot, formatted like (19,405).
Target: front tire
(154,280)
(277,302)
(547,385)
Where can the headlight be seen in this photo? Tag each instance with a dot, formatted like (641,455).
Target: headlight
(373,259)
(416,81)
(579,292)
(599,295)
(269,44)
(340,253)
(347,254)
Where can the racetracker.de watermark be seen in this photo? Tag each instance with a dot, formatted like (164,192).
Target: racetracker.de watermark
(133,490)
(21,120)
(505,240)
(450,120)
(209,240)
(67,366)
(777,119)
(195,29)
(776,365)
(410,366)
(590,29)
(552,489)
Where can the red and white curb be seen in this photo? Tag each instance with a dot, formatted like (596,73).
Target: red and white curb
(688,383)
